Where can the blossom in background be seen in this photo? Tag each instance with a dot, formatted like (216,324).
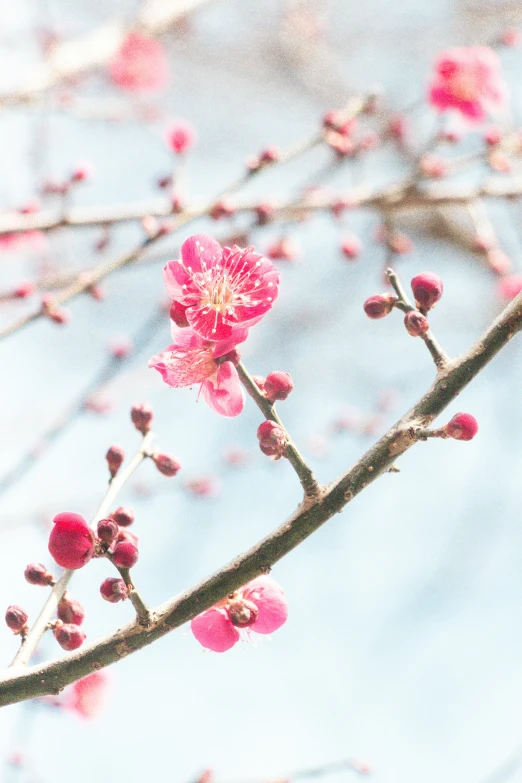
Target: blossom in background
(86,697)
(221,289)
(140,65)
(259,606)
(469,80)
(180,136)
(191,360)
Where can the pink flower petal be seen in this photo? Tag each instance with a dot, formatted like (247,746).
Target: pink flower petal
(270,600)
(224,393)
(214,630)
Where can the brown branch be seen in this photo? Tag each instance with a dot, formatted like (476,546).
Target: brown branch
(40,625)
(50,678)
(311,487)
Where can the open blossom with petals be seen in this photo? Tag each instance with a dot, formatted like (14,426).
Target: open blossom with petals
(140,65)
(469,80)
(259,606)
(221,288)
(193,360)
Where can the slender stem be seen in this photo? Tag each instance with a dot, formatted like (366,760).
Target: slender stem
(30,642)
(311,487)
(438,354)
(143,613)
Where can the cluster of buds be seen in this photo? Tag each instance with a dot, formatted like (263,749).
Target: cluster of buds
(427,290)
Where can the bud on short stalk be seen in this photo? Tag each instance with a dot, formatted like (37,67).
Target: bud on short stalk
(115,457)
(125,555)
(278,386)
(272,439)
(141,417)
(68,635)
(107,531)
(70,611)
(37,574)
(379,305)
(427,289)
(463,426)
(123,516)
(113,590)
(166,464)
(416,323)
(16,619)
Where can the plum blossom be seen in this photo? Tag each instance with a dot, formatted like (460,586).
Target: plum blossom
(469,80)
(221,289)
(259,606)
(85,697)
(140,65)
(191,359)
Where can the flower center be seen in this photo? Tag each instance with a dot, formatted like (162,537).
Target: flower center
(242,613)
(465,86)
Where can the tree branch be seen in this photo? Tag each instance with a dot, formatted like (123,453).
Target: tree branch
(50,678)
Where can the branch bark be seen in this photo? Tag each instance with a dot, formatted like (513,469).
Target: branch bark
(19,683)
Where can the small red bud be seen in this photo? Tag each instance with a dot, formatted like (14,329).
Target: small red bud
(270,155)
(71,542)
(70,611)
(427,289)
(141,417)
(123,516)
(272,439)
(463,426)
(379,305)
(284,249)
(351,247)
(81,173)
(113,590)
(107,531)
(124,534)
(114,457)
(37,574)
(416,323)
(265,212)
(24,290)
(69,636)
(223,208)
(125,555)
(178,314)
(166,464)
(16,619)
(278,386)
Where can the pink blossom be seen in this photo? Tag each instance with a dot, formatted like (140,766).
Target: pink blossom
(259,606)
(222,289)
(86,696)
(192,359)
(180,136)
(468,79)
(32,240)
(510,286)
(140,65)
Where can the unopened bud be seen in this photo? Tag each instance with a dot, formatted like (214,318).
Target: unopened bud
(141,417)
(123,516)
(69,636)
(114,457)
(125,555)
(463,426)
(113,590)
(16,619)
(70,611)
(427,289)
(166,464)
(272,439)
(37,574)
(416,323)
(379,305)
(107,531)
(278,386)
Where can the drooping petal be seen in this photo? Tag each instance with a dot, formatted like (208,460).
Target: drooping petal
(214,630)
(270,600)
(223,392)
(186,362)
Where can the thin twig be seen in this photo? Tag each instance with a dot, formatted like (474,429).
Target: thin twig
(50,678)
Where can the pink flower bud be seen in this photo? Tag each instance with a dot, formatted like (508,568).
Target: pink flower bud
(115,457)
(125,555)
(272,439)
(53,311)
(278,386)
(510,286)
(82,173)
(97,292)
(113,590)
(124,534)
(123,516)
(463,426)
(351,247)
(70,611)
(416,323)
(427,289)
(23,290)
(284,249)
(223,208)
(141,417)
(180,136)
(71,542)
(107,531)
(259,382)
(265,212)
(37,574)
(242,613)
(121,347)
(270,155)
(16,619)
(379,305)
(69,636)
(166,464)
(178,314)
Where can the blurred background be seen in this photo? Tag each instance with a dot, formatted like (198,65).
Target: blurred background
(403,647)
